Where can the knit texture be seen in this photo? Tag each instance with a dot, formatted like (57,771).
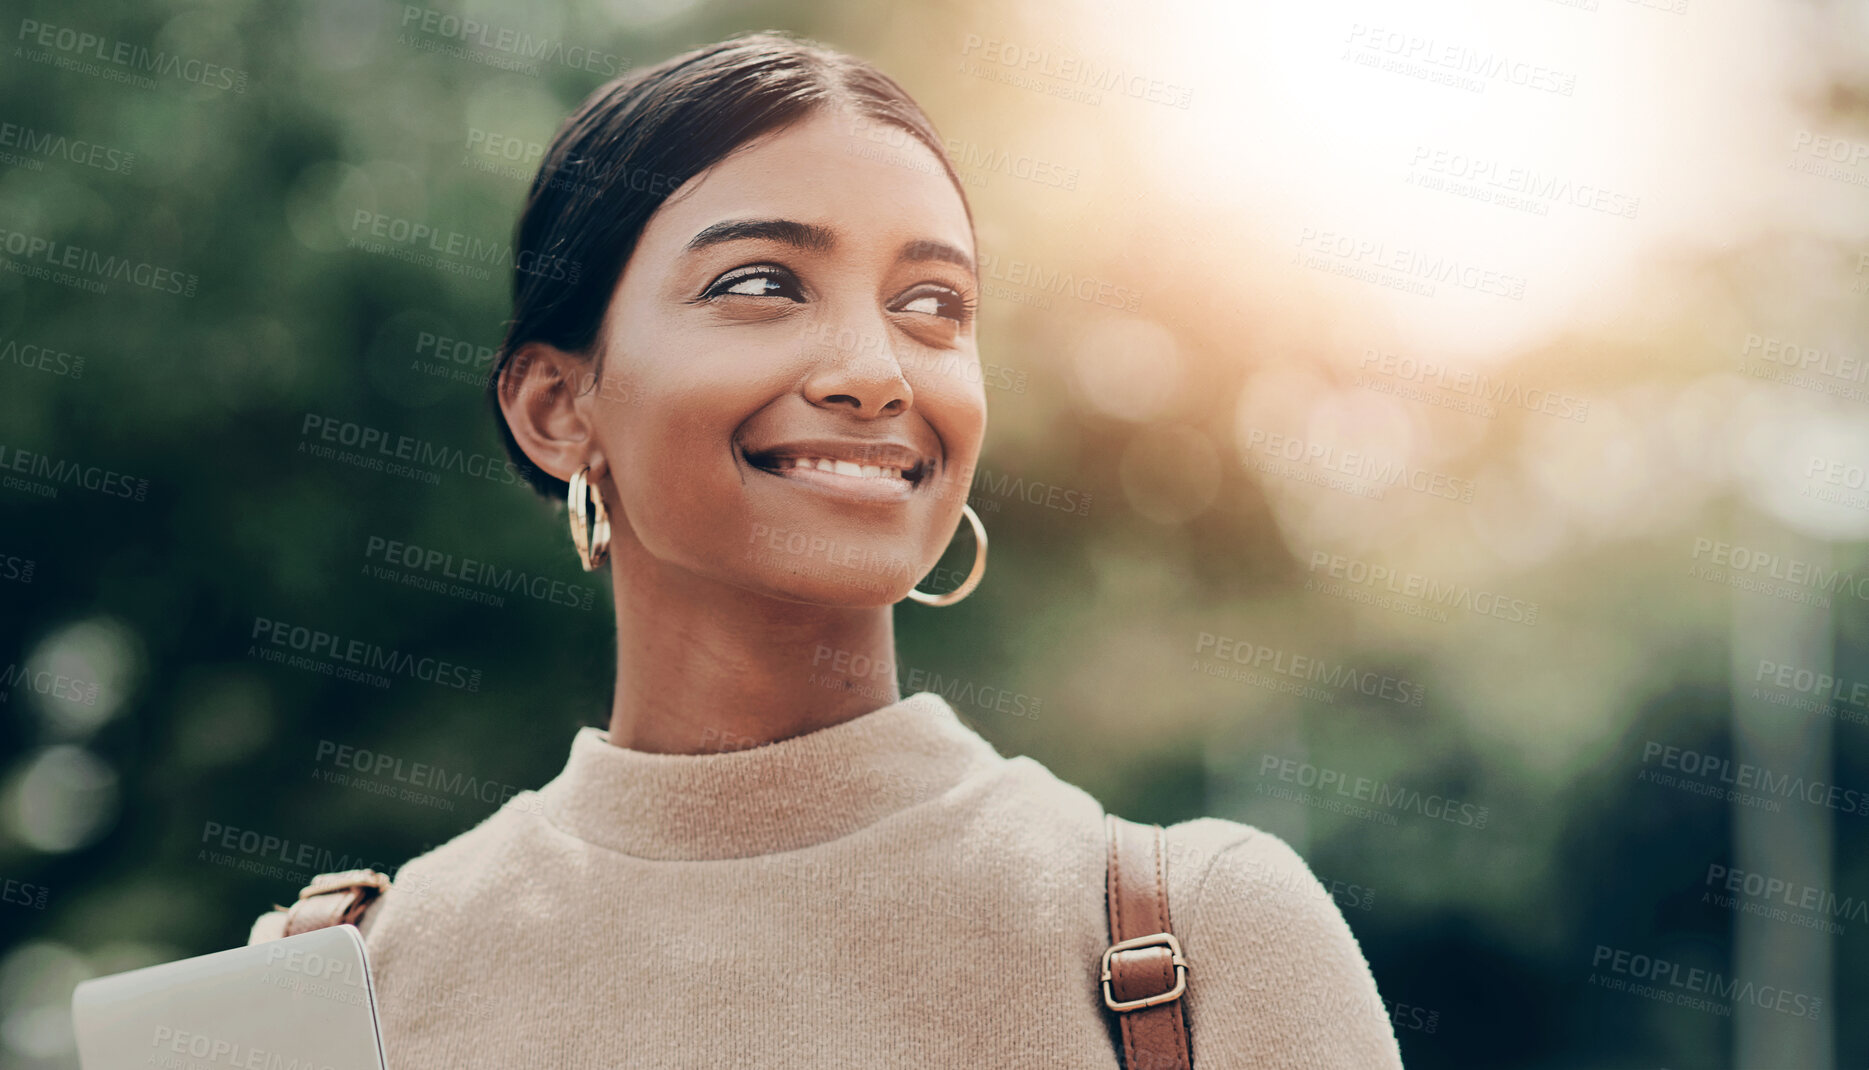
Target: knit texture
(886,892)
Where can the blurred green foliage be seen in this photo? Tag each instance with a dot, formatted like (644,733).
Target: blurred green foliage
(245,169)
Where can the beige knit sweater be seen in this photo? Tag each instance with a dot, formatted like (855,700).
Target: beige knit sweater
(886,892)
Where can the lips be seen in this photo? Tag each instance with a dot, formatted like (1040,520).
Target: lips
(887,461)
(858,472)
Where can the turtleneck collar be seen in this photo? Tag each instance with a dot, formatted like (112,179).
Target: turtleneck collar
(775,797)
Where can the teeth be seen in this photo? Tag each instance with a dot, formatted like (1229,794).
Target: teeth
(842,468)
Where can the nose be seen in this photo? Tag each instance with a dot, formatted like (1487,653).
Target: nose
(857,372)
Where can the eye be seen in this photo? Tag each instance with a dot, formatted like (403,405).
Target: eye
(756,280)
(935,300)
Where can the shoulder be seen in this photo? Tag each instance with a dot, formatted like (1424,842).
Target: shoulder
(330,899)
(435,881)
(1275,974)
(1273,965)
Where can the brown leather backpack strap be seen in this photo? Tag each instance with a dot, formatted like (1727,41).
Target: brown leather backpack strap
(1144,976)
(335,899)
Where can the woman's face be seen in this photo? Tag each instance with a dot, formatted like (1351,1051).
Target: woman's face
(791,399)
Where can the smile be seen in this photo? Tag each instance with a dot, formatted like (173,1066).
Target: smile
(842,468)
(865,470)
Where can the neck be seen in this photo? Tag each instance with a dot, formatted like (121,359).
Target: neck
(704,667)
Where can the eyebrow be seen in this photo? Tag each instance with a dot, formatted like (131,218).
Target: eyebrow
(815,238)
(790,232)
(924,251)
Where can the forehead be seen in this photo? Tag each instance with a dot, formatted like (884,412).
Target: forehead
(874,184)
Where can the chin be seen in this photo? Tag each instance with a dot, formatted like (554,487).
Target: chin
(828,593)
(822,573)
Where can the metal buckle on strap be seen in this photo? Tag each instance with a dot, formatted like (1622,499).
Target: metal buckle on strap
(1166,940)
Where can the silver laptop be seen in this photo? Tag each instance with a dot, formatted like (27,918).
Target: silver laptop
(304,1001)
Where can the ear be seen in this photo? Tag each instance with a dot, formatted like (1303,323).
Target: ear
(541,394)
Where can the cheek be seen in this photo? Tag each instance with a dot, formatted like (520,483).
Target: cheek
(668,429)
(955,406)
(671,452)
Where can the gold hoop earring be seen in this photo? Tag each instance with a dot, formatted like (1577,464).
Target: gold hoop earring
(590,535)
(973,576)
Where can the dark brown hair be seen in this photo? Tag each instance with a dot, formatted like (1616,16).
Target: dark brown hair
(635,141)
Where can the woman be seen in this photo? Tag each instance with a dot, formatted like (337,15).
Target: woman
(743,325)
